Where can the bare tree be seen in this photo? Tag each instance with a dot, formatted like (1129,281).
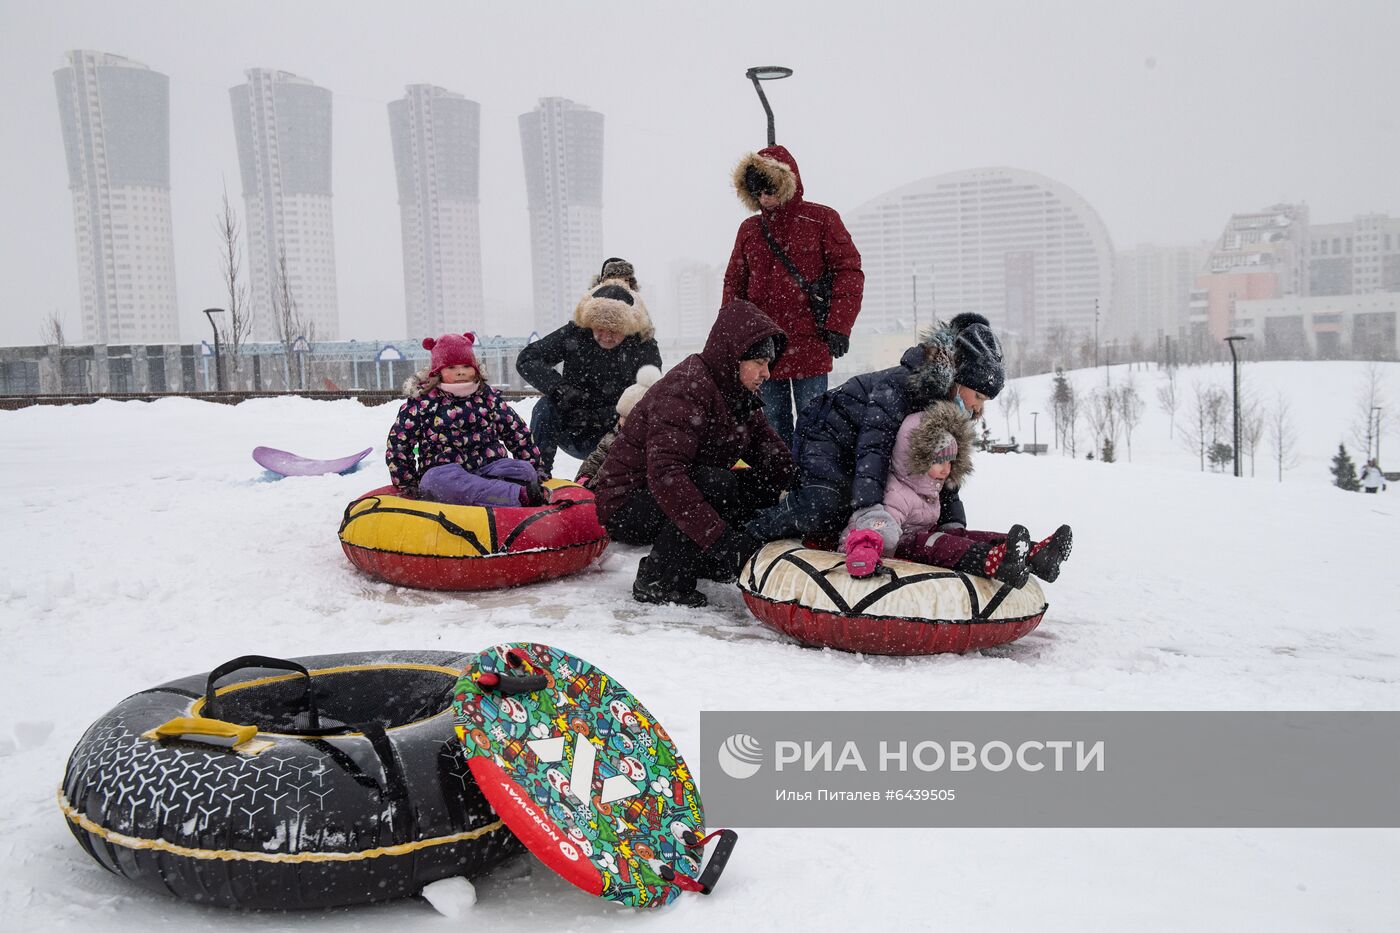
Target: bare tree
(52,330)
(1168,398)
(1370,397)
(295,332)
(1004,403)
(1201,432)
(1013,395)
(1130,406)
(238,322)
(1283,437)
(1073,410)
(1252,424)
(1104,417)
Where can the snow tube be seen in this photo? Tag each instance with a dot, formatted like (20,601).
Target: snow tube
(338,783)
(914,609)
(429,545)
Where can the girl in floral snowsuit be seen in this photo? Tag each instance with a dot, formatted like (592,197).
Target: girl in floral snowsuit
(456,440)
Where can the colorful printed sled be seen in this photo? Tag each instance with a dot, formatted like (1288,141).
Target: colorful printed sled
(909,609)
(284,463)
(584,776)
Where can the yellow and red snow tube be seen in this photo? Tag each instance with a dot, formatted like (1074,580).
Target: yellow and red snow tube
(430,545)
(912,609)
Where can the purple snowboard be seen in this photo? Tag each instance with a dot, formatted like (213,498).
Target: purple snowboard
(288,464)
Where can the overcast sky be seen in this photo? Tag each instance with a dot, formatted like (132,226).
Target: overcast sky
(1164,116)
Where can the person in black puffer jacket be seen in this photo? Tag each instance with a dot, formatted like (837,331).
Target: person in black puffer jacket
(601,349)
(844,438)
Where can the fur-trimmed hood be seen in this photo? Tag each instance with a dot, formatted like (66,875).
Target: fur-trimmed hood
(612,305)
(936,420)
(781,169)
(929,368)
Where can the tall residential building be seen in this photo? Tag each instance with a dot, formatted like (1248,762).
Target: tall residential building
(115,115)
(1261,254)
(283,127)
(437,142)
(1359,257)
(1152,291)
(1020,248)
(562,144)
(699,287)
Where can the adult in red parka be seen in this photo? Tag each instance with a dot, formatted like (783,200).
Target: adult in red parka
(816,242)
(669,479)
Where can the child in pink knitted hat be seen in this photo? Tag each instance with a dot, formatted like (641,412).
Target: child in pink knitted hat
(933,449)
(456,440)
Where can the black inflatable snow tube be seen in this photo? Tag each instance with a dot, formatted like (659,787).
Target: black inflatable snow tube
(352,791)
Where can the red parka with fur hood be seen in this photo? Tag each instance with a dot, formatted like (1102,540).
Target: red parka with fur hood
(815,239)
(698,413)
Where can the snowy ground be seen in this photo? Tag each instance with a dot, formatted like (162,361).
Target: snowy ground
(142,543)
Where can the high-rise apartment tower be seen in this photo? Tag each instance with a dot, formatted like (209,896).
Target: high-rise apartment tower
(282,124)
(437,142)
(562,144)
(115,116)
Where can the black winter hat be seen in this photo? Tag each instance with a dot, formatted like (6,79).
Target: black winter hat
(977,353)
(765,349)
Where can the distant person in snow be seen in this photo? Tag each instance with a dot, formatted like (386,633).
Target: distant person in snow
(610,338)
(846,437)
(646,378)
(933,451)
(795,260)
(1372,479)
(669,479)
(456,440)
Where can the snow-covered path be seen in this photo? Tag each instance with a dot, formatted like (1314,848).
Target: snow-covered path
(142,544)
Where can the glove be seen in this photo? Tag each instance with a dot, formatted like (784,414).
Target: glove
(878,519)
(863,550)
(565,397)
(733,550)
(837,343)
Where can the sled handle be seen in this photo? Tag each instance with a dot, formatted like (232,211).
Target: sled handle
(511,684)
(258,660)
(728,838)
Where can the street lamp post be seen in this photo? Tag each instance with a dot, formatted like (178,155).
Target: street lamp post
(767,73)
(1377,410)
(1235,368)
(1035,435)
(218,356)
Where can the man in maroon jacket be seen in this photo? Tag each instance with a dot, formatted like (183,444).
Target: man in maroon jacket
(669,479)
(820,251)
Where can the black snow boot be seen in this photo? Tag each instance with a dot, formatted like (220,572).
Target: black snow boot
(1047,556)
(1004,561)
(648,588)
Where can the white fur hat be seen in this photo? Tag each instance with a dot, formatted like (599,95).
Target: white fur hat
(646,377)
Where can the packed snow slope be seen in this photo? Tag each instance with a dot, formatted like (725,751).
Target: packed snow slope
(142,543)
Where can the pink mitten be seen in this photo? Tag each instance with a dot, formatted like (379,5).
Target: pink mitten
(863,549)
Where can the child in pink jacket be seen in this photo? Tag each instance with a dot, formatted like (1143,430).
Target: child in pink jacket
(933,448)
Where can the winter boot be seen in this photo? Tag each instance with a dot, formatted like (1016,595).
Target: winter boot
(648,588)
(1047,556)
(1004,560)
(863,550)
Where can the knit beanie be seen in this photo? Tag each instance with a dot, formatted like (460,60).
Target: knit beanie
(945,448)
(977,354)
(451,350)
(765,349)
(646,377)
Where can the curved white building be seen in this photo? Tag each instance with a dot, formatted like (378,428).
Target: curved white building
(1020,248)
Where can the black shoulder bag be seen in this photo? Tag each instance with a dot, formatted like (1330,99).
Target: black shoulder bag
(818,292)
